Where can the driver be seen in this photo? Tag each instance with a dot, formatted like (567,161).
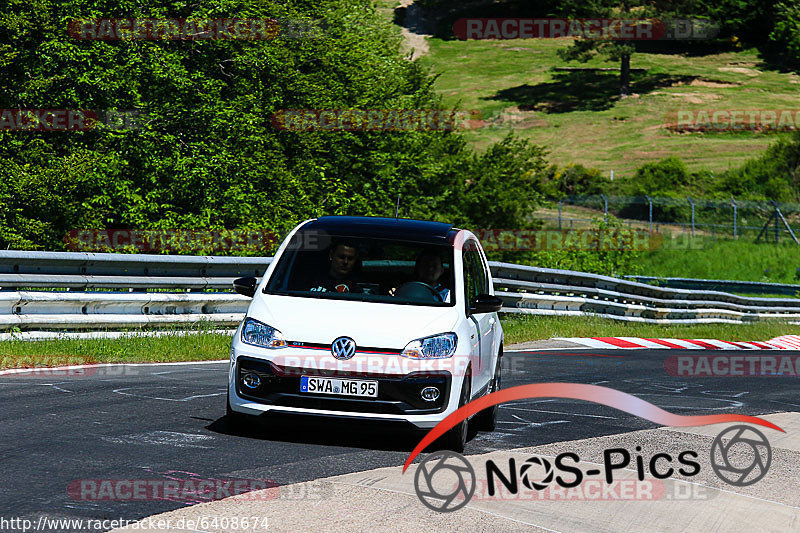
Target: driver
(343,258)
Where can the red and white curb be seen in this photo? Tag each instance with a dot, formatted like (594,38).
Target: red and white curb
(784,342)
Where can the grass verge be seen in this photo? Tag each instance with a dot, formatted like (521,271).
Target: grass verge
(212,346)
(174,347)
(523,328)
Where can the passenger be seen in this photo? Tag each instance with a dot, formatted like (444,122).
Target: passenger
(428,269)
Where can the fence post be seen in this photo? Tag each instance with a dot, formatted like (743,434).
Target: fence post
(733,203)
(605,207)
(777,228)
(692,202)
(559,214)
(650,201)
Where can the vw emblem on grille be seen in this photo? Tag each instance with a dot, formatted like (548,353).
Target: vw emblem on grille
(343,348)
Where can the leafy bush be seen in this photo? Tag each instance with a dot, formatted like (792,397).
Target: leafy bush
(616,251)
(576,180)
(774,175)
(661,178)
(669,179)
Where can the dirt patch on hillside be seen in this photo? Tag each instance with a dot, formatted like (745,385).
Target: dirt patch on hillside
(706,82)
(413,29)
(712,83)
(515,118)
(741,70)
(692,98)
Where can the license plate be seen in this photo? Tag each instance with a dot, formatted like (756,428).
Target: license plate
(341,387)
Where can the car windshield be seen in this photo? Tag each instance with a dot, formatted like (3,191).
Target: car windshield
(365,269)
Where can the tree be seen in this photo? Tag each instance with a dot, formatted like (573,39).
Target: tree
(583,49)
(787,30)
(206,154)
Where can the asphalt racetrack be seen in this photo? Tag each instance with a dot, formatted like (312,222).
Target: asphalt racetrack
(167,421)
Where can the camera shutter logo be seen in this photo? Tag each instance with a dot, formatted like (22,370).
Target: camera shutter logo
(723,455)
(343,348)
(524,472)
(447,463)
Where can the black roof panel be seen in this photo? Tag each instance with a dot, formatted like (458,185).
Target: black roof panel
(384,228)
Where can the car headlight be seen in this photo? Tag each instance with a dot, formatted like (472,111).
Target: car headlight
(433,347)
(259,334)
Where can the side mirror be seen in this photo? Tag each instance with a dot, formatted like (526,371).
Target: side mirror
(245,286)
(485,303)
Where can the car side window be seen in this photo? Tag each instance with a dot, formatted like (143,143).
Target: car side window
(475,281)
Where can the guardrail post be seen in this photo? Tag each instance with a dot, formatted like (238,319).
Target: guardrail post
(605,207)
(692,203)
(733,203)
(650,201)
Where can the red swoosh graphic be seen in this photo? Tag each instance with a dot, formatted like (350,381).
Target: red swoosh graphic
(579,391)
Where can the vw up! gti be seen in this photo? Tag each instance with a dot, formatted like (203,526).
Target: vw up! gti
(370,318)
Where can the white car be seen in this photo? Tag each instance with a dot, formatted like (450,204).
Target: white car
(370,318)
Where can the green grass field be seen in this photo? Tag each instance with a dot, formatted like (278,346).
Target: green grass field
(578,115)
(726,259)
(702,256)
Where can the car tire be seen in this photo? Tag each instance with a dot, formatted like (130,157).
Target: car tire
(456,438)
(486,420)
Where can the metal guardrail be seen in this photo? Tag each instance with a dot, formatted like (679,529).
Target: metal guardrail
(749,287)
(80,270)
(547,291)
(112,292)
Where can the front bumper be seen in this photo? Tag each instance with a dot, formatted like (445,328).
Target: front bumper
(398,397)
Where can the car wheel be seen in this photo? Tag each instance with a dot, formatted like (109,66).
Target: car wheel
(486,420)
(456,438)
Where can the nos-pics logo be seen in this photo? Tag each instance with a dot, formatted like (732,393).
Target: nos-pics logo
(445,481)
